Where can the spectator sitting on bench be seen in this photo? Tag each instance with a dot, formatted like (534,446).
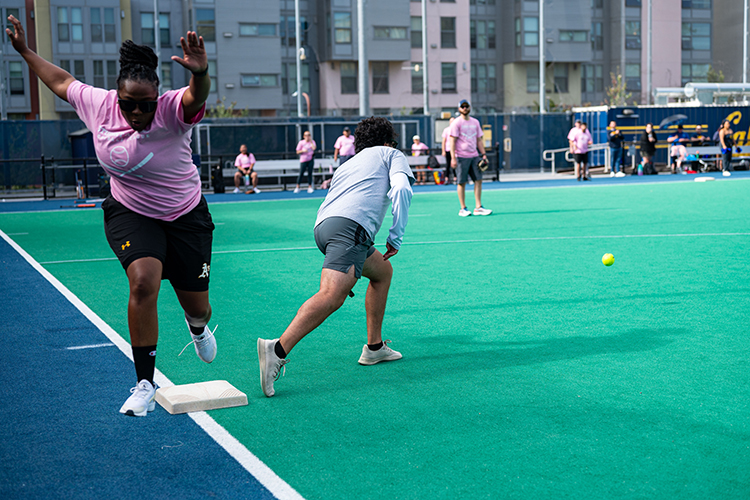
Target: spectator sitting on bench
(678,152)
(244,163)
(698,138)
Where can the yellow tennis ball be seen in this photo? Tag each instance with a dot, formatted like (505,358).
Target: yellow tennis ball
(608,259)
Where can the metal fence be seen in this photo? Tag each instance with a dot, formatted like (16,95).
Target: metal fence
(516,142)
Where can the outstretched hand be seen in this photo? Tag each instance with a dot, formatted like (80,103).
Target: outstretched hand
(390,252)
(18,39)
(194,56)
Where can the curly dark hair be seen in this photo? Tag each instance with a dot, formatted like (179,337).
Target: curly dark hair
(373,132)
(137,62)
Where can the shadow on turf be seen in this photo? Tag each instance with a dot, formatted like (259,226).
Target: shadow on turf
(499,353)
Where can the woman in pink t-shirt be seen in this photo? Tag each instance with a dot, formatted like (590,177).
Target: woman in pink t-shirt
(156,220)
(306,151)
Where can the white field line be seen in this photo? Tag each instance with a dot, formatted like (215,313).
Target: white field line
(250,462)
(451,242)
(92,346)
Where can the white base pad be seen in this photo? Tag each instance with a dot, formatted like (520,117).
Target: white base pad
(200,397)
(704,179)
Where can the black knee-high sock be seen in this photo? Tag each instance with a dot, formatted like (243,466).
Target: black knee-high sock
(145,362)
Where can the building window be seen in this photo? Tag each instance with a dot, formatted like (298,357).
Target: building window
(212,72)
(591,78)
(389,33)
(694,73)
(99,74)
(573,36)
(632,35)
(348,78)
(416,32)
(288,34)
(11,12)
(531,31)
(259,80)
(75,68)
(289,78)
(448,78)
(102,27)
(166,75)
(561,78)
(491,38)
(532,78)
(632,3)
(417,84)
(481,2)
(205,24)
(518,31)
(448,32)
(696,36)
(147,28)
(482,34)
(379,77)
(69,27)
(633,76)
(483,78)
(597,41)
(597,4)
(15,77)
(254,29)
(474,85)
(164,36)
(696,4)
(342,23)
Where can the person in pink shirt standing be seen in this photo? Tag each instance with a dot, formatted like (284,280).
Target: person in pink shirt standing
(244,163)
(343,149)
(417,148)
(306,150)
(466,146)
(581,142)
(156,220)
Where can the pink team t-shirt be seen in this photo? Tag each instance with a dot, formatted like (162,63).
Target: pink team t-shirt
(244,161)
(345,145)
(152,172)
(466,133)
(308,148)
(416,149)
(581,142)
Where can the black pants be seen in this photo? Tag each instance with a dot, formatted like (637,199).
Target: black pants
(306,165)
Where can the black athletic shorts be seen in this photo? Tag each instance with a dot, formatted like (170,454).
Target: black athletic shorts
(468,167)
(582,158)
(183,246)
(344,243)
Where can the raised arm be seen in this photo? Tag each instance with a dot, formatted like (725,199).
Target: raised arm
(57,79)
(195,60)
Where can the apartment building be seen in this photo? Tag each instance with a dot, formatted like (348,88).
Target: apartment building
(484,50)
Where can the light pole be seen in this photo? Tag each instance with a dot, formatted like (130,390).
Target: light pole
(157,42)
(364,92)
(298,46)
(425,80)
(744,46)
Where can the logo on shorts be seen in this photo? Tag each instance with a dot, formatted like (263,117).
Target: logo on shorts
(206,270)
(127,244)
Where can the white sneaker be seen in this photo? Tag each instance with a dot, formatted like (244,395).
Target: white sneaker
(612,174)
(464,212)
(482,211)
(205,344)
(620,174)
(296,190)
(385,353)
(256,190)
(726,173)
(141,401)
(310,189)
(270,365)
(236,190)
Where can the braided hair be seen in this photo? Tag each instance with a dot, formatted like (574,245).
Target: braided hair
(373,132)
(137,62)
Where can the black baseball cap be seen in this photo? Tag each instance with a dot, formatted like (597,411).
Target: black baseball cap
(346,129)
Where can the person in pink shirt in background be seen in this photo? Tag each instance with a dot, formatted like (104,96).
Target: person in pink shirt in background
(446,152)
(343,149)
(581,142)
(417,148)
(244,163)
(156,220)
(306,150)
(466,146)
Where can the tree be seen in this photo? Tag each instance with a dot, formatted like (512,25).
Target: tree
(221,110)
(713,76)
(617,94)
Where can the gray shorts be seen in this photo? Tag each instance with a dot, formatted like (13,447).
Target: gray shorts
(344,243)
(467,167)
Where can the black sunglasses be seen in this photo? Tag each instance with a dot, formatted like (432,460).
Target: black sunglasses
(465,106)
(144,106)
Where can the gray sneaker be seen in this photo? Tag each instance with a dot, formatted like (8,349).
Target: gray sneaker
(271,366)
(141,401)
(385,353)
(205,343)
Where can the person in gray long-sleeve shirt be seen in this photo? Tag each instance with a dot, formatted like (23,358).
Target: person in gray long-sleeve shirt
(351,215)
